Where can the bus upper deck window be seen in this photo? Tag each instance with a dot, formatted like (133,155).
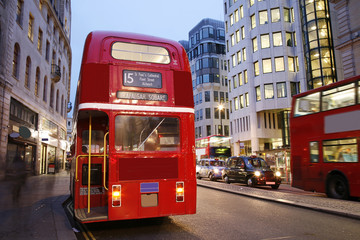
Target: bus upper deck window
(140,53)
(307,104)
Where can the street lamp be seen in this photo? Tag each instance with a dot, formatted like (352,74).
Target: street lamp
(220,108)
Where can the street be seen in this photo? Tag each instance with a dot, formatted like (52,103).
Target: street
(222,215)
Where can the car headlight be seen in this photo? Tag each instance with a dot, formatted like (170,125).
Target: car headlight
(278,174)
(216,170)
(257,173)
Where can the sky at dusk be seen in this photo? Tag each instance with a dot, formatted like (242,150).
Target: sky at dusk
(171,19)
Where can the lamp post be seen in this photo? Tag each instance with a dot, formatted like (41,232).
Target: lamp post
(220,108)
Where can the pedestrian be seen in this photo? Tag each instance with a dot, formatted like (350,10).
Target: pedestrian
(18,177)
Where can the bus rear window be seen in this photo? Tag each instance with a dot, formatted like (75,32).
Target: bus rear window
(140,53)
(137,133)
(307,105)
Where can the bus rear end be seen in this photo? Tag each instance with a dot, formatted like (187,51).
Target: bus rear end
(135,130)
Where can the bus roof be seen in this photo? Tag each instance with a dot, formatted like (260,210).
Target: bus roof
(98,41)
(333,85)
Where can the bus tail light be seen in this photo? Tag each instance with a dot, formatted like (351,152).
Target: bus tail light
(116,195)
(179,191)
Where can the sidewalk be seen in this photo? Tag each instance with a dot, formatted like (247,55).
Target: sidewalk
(291,196)
(39,213)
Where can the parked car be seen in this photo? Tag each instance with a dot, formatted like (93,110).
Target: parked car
(210,168)
(251,171)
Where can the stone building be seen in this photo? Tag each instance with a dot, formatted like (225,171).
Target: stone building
(35,67)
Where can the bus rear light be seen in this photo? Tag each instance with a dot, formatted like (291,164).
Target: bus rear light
(179,191)
(116,195)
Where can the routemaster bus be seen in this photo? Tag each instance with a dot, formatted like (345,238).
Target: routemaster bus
(325,137)
(214,147)
(134,129)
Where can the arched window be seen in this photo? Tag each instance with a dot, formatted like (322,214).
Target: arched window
(16,61)
(45,89)
(57,101)
(37,81)
(27,72)
(52,95)
(62,105)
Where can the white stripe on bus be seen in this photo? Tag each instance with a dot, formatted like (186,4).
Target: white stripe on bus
(109,106)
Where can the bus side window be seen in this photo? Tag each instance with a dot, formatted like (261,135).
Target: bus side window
(307,104)
(314,152)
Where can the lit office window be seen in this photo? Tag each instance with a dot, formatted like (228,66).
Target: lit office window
(238,57)
(247,103)
(269,91)
(237,33)
(275,15)
(289,39)
(277,39)
(253,21)
(265,41)
(232,39)
(241,11)
(31,28)
(242,32)
(256,68)
(233,57)
(258,93)
(245,77)
(240,77)
(236,103)
(244,54)
(279,64)
(263,17)
(267,68)
(236,13)
(252,2)
(241,101)
(281,89)
(286,15)
(291,64)
(255,46)
(231,19)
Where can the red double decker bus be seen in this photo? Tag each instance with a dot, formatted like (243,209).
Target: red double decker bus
(134,130)
(325,139)
(214,146)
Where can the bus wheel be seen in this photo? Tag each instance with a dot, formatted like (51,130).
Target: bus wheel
(250,182)
(198,176)
(226,179)
(211,176)
(337,187)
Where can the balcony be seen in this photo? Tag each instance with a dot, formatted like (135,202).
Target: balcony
(55,73)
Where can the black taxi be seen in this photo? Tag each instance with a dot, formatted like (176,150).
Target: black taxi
(250,170)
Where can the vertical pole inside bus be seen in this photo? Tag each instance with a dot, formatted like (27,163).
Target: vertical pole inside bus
(89,165)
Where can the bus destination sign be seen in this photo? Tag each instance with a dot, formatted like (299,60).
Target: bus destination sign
(142,96)
(142,79)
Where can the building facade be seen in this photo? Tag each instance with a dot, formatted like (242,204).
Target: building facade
(346,35)
(35,72)
(266,68)
(206,52)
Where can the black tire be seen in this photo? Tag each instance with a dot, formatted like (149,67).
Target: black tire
(337,187)
(211,177)
(198,176)
(275,186)
(250,182)
(226,179)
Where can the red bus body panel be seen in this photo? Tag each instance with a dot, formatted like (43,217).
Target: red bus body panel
(312,176)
